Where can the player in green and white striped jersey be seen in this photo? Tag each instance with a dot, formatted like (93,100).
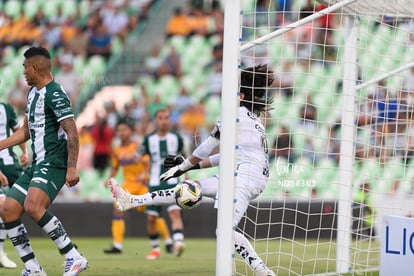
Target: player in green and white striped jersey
(158,145)
(10,169)
(49,124)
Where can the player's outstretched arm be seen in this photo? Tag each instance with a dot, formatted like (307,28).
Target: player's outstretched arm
(18,137)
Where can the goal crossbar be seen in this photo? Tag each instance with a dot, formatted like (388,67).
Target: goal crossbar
(385,75)
(394,8)
(296,24)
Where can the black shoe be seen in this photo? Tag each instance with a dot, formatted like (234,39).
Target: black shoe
(113,250)
(169,248)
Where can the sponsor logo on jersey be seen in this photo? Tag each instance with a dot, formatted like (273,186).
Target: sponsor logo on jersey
(39,103)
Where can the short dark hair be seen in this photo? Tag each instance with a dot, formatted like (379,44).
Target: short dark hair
(254,83)
(37,51)
(126,122)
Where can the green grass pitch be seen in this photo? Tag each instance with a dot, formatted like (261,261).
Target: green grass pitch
(198,258)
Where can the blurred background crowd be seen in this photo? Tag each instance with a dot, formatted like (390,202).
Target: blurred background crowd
(179,68)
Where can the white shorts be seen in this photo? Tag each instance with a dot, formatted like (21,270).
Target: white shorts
(250,182)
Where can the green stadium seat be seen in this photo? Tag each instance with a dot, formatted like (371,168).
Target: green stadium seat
(69,7)
(96,64)
(79,64)
(116,46)
(12,8)
(178,42)
(50,8)
(30,8)
(213,107)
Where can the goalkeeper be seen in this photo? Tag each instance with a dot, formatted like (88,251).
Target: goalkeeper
(252,162)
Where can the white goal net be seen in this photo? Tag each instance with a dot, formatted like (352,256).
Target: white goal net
(340,130)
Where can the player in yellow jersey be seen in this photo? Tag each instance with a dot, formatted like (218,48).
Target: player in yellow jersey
(135,173)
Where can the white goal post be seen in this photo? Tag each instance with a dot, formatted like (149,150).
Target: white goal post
(352,11)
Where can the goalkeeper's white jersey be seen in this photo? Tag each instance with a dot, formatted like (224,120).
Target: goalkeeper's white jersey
(251,139)
(251,142)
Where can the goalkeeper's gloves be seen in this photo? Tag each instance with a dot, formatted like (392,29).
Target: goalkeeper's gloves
(173,160)
(183,165)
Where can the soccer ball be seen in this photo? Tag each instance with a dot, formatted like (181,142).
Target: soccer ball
(188,194)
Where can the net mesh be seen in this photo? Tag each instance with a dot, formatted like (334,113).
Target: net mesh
(293,223)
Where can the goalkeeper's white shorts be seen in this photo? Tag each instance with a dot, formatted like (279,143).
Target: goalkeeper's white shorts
(250,182)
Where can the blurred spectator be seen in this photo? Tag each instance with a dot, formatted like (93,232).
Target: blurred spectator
(100,42)
(192,121)
(78,44)
(285,79)
(52,35)
(4,19)
(40,19)
(28,34)
(366,111)
(214,81)
(112,115)
(307,115)
(154,105)
(153,61)
(17,97)
(262,13)
(86,148)
(309,150)
(171,65)
(137,108)
(178,24)
(64,55)
(198,22)
(102,136)
(217,16)
(116,22)
(69,79)
(58,17)
(68,30)
(333,145)
(183,101)
(144,127)
(283,146)
(409,82)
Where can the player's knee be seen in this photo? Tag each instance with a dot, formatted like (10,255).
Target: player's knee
(151,219)
(33,210)
(175,215)
(11,211)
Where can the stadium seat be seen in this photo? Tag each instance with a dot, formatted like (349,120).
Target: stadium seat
(69,7)
(178,42)
(116,46)
(49,8)
(213,107)
(168,86)
(96,64)
(12,8)
(30,8)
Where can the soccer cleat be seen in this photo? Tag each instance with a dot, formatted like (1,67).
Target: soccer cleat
(263,270)
(179,248)
(28,272)
(154,254)
(74,266)
(169,248)
(5,261)
(113,250)
(123,199)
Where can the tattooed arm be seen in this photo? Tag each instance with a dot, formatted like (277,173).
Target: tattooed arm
(69,126)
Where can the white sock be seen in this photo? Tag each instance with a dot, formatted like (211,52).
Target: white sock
(246,251)
(3,235)
(161,197)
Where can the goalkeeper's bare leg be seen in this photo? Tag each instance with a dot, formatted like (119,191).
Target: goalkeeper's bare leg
(125,201)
